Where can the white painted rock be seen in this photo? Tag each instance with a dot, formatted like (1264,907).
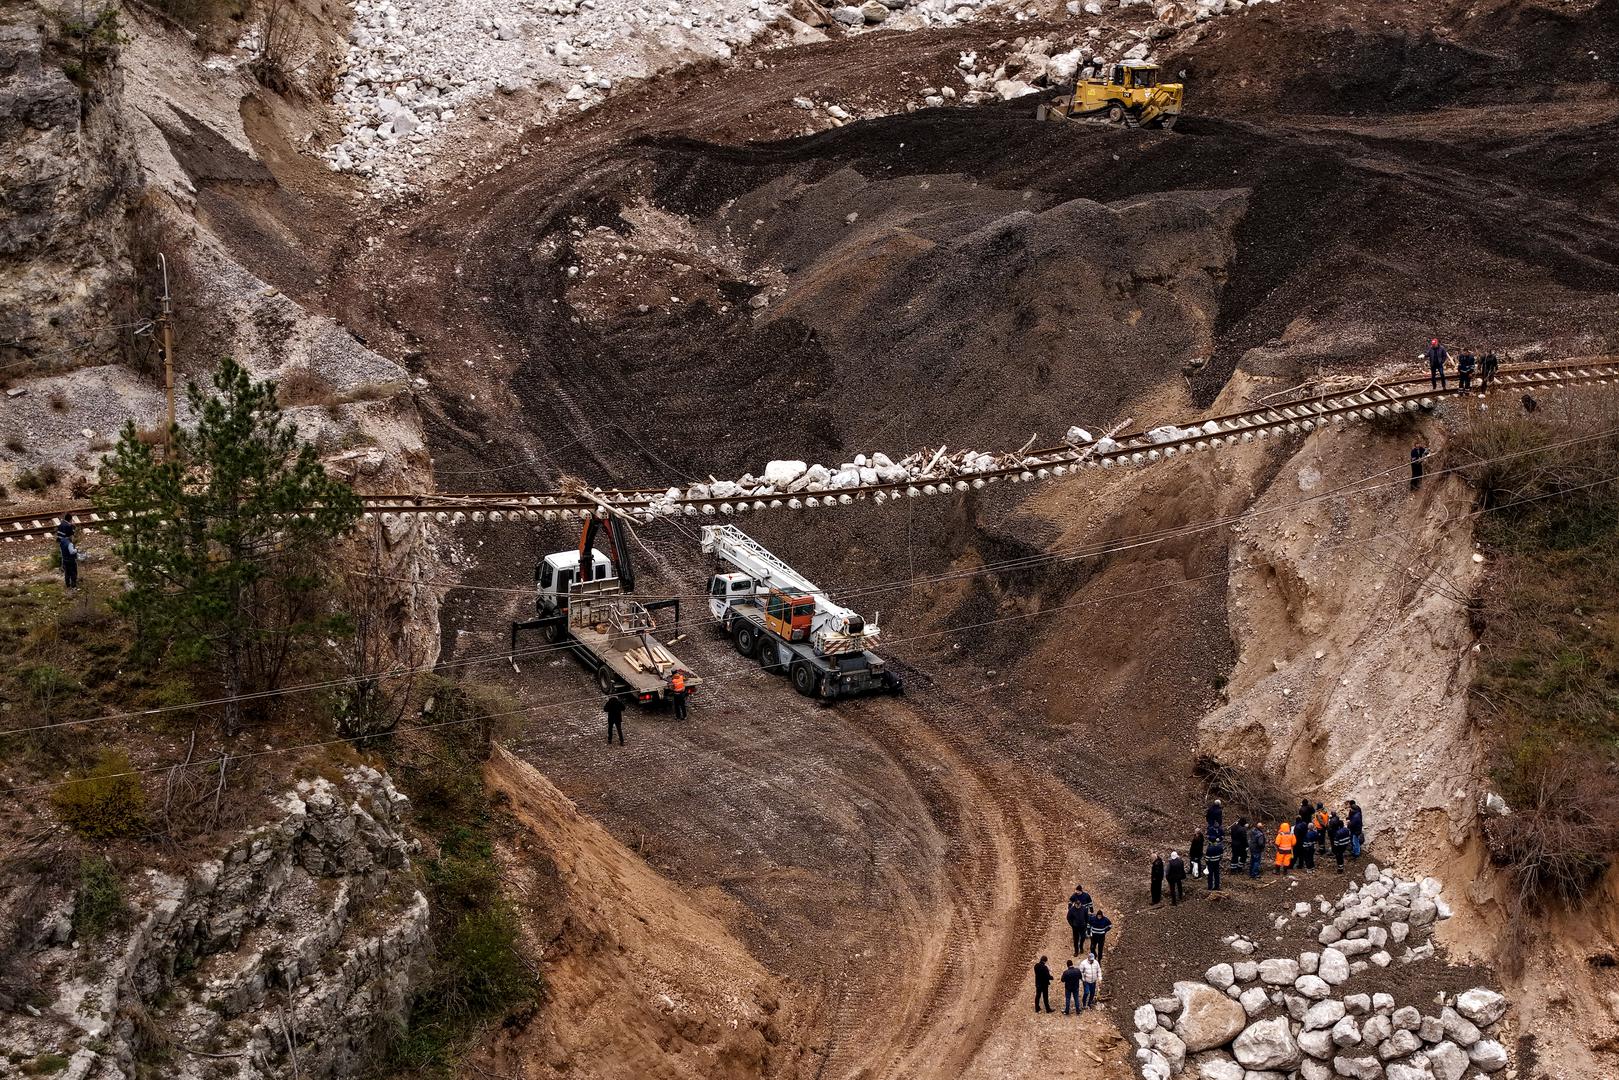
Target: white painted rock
(1346,1032)
(1313,987)
(1334,967)
(1278,972)
(1213,1066)
(1318,1044)
(1254,1000)
(1323,1014)
(1220,976)
(1448,1061)
(1458,1028)
(1170,1046)
(1245,970)
(1208,1018)
(1488,1055)
(1359,1067)
(1146,1019)
(1483,1007)
(1267,1044)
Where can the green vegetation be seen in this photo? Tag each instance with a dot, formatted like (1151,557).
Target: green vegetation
(1547,686)
(38,480)
(45,1065)
(479,973)
(104,802)
(220,574)
(90,39)
(99,903)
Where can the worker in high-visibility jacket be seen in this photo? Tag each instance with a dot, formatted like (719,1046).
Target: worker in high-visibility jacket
(1285,842)
(677,687)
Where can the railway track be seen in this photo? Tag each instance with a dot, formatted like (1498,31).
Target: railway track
(1134,449)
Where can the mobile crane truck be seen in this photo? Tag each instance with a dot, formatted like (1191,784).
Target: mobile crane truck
(774,614)
(582,598)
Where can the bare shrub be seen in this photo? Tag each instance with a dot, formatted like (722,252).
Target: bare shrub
(1243,790)
(282,45)
(304,386)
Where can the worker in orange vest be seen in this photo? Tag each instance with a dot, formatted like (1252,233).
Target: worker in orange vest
(677,686)
(1285,841)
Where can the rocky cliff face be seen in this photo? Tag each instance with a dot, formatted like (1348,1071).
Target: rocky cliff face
(299,943)
(63,182)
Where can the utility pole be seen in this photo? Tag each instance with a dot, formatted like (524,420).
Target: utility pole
(166,321)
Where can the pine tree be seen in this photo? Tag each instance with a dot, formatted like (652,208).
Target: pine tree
(226,541)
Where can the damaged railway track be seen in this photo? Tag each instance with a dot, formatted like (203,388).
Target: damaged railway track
(943,476)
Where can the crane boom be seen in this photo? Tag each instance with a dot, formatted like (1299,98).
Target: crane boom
(836,629)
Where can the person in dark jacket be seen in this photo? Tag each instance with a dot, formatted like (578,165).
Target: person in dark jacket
(69,551)
(1357,830)
(1157,878)
(614,708)
(1306,851)
(1194,855)
(1466,364)
(1176,876)
(1079,921)
(1215,814)
(1437,357)
(1042,985)
(1070,988)
(1100,925)
(1239,844)
(1306,808)
(1338,834)
(1487,368)
(1256,848)
(1418,452)
(1215,853)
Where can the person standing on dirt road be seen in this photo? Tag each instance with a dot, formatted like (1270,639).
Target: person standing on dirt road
(1357,830)
(1418,452)
(1306,850)
(1437,356)
(677,689)
(1239,844)
(1100,925)
(614,708)
(1216,856)
(1338,833)
(1090,973)
(1042,985)
(1157,878)
(1070,988)
(1285,843)
(1194,854)
(1256,848)
(1079,919)
(1176,876)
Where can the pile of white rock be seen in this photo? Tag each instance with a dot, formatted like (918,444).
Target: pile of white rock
(1287,1018)
(414,65)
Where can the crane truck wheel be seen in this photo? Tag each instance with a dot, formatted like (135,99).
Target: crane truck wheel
(745,639)
(804,679)
(767,656)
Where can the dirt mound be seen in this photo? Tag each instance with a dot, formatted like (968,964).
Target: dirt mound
(640,980)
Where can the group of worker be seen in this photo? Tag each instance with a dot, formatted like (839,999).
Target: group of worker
(614,705)
(1084,972)
(1315,831)
(1438,358)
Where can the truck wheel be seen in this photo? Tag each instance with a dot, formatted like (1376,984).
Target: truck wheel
(605,681)
(804,679)
(746,641)
(553,631)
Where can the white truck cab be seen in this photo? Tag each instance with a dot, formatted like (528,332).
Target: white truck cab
(558,571)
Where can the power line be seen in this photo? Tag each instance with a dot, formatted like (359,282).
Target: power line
(1130,543)
(722,676)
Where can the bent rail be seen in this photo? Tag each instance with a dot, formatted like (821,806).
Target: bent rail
(1132,449)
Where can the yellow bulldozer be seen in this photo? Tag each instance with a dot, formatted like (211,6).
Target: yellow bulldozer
(1130,94)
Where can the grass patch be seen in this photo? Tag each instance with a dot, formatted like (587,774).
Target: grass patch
(103,802)
(45,1065)
(1546,690)
(98,905)
(479,972)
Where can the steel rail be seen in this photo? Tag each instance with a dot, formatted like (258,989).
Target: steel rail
(1134,449)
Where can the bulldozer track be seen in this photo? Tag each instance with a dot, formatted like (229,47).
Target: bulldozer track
(1134,449)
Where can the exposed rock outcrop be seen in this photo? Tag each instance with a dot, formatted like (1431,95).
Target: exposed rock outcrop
(306,935)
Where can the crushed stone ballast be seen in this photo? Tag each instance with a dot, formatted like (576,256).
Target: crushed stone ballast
(928,473)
